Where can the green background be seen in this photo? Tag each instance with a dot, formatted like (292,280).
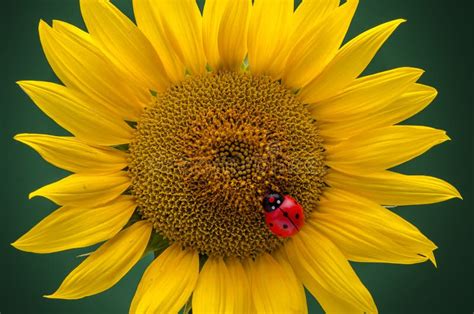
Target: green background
(437,38)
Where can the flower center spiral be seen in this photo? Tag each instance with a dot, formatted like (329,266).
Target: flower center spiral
(208,149)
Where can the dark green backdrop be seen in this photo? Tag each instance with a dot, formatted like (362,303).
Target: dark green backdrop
(437,38)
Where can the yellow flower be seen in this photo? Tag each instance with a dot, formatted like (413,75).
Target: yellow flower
(181,126)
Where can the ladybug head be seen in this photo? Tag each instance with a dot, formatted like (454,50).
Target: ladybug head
(272,201)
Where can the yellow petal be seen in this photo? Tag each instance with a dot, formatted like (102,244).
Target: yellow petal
(348,63)
(269,31)
(310,13)
(414,100)
(240,286)
(76,227)
(79,36)
(298,294)
(107,265)
(266,274)
(214,291)
(366,94)
(317,47)
(167,283)
(124,44)
(338,195)
(325,272)
(383,148)
(85,190)
(146,15)
(74,113)
(233,30)
(81,66)
(308,16)
(73,155)
(391,188)
(181,22)
(211,20)
(367,232)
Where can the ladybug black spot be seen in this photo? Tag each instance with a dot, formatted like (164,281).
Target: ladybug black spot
(271,225)
(297,216)
(285,226)
(285,214)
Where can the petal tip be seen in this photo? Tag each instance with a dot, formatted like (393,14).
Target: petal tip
(21,83)
(58,294)
(51,296)
(395,23)
(43,26)
(24,247)
(355,3)
(418,73)
(22,138)
(455,193)
(57,24)
(432,259)
(26,85)
(33,194)
(18,137)
(42,23)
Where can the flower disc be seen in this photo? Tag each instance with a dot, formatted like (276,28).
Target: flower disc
(206,152)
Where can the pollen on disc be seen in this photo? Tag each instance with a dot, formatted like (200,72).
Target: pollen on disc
(207,150)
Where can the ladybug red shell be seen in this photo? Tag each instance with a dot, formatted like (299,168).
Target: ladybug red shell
(283,215)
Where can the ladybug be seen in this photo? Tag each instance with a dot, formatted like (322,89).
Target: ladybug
(283,215)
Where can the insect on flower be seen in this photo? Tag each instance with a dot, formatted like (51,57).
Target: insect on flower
(283,215)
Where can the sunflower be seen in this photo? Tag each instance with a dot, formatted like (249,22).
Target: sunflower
(183,122)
